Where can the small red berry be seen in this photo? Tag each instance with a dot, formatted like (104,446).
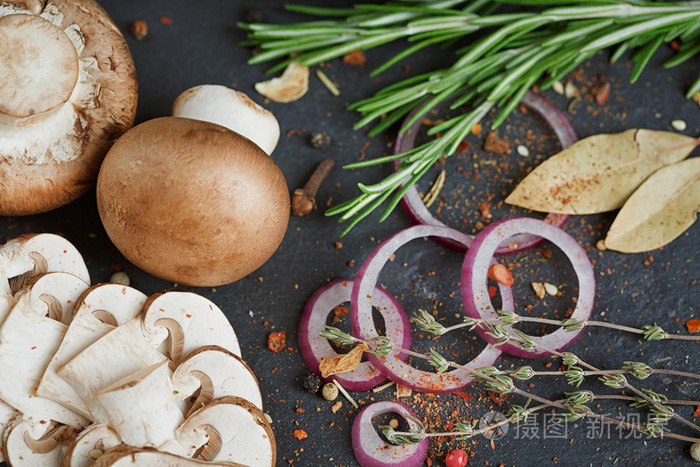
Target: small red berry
(456,458)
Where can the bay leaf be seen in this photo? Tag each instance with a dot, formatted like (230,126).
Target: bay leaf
(660,210)
(598,173)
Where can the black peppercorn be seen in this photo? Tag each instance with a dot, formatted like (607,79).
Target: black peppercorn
(319,139)
(311,383)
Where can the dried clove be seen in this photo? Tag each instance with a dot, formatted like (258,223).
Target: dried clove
(303,199)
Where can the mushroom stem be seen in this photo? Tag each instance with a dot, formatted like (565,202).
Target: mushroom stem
(213,446)
(304,199)
(206,392)
(177,337)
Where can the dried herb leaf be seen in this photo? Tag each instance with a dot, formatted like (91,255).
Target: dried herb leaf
(599,173)
(342,363)
(292,85)
(661,209)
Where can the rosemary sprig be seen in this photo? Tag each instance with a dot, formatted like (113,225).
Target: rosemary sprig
(514,51)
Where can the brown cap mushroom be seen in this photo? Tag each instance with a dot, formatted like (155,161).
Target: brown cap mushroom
(67,90)
(192,202)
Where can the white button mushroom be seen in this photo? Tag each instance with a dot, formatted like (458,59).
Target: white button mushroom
(232,109)
(203,205)
(67,90)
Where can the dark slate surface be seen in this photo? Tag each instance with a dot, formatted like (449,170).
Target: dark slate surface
(201,46)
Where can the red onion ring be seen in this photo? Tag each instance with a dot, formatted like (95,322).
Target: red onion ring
(314,347)
(373,451)
(363,325)
(416,210)
(477,303)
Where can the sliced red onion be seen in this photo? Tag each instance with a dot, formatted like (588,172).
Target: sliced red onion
(416,210)
(314,347)
(373,451)
(477,303)
(363,326)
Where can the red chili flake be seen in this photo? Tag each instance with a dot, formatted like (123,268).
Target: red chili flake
(34,347)
(276,341)
(476,129)
(338,245)
(601,93)
(494,144)
(464,395)
(356,58)
(299,410)
(463,146)
(350,263)
(693,325)
(492,291)
(696,413)
(675,45)
(339,312)
(497,397)
(500,274)
(166,21)
(300,434)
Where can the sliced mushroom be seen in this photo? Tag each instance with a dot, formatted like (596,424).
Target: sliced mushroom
(232,109)
(212,372)
(142,407)
(114,303)
(28,340)
(124,455)
(245,435)
(67,91)
(190,320)
(36,443)
(116,355)
(7,413)
(89,444)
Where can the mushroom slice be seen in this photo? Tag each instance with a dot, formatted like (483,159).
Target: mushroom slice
(292,85)
(190,320)
(37,443)
(98,311)
(232,109)
(116,355)
(28,341)
(125,455)
(67,91)
(82,450)
(238,426)
(142,407)
(32,254)
(215,373)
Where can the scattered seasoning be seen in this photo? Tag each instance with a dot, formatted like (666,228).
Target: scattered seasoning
(696,412)
(337,406)
(693,325)
(394,423)
(311,383)
(496,145)
(432,195)
(500,274)
(276,341)
(601,93)
(338,245)
(326,81)
(319,139)
(558,87)
(300,434)
(329,392)
(403,391)
(497,397)
(346,395)
(679,125)
(95,454)
(570,90)
(138,29)
(304,199)
(356,58)
(600,244)
(121,278)
(166,21)
(538,287)
(523,151)
(696,98)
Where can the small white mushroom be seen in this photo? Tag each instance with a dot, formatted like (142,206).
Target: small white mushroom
(28,340)
(124,455)
(187,321)
(116,355)
(215,373)
(232,109)
(100,309)
(142,407)
(228,429)
(95,437)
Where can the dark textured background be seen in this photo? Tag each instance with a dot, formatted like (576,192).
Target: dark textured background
(201,46)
